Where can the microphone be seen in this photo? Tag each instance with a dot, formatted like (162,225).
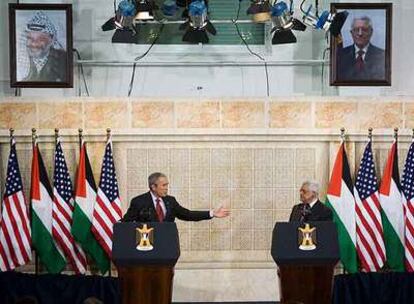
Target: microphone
(306,212)
(146,215)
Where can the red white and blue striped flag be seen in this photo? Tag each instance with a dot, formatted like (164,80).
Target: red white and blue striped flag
(62,211)
(408,203)
(108,205)
(370,238)
(15,234)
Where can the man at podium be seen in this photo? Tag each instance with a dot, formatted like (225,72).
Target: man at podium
(310,208)
(157,206)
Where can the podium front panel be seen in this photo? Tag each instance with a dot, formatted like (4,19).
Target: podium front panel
(166,246)
(285,247)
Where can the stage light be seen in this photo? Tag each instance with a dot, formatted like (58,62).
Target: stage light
(169,8)
(260,10)
(145,10)
(123,19)
(284,23)
(125,14)
(197,24)
(327,21)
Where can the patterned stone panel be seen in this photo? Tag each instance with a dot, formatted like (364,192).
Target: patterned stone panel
(242,177)
(137,158)
(285,198)
(263,219)
(263,198)
(221,224)
(200,167)
(220,197)
(221,239)
(200,198)
(241,198)
(241,239)
(158,160)
(241,219)
(200,239)
(283,165)
(262,239)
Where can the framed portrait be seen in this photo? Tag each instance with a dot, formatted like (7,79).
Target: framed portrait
(41,45)
(361,54)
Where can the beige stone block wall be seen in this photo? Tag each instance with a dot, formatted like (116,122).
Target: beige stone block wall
(249,155)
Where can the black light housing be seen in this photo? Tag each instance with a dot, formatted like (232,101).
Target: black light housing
(197,25)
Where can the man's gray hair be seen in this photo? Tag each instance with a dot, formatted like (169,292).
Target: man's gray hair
(153,178)
(366,19)
(312,185)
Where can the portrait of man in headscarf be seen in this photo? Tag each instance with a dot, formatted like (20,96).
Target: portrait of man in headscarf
(41,56)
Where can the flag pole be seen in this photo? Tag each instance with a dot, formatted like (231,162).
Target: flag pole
(11,136)
(34,139)
(395,134)
(56,135)
(343,134)
(108,133)
(80,130)
(370,134)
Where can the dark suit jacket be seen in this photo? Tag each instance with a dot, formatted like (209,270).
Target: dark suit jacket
(142,209)
(374,64)
(319,212)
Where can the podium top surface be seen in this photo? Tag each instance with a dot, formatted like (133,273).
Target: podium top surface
(160,246)
(285,244)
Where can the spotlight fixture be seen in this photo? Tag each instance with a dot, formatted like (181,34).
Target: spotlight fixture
(327,21)
(123,18)
(197,24)
(145,10)
(125,15)
(169,8)
(260,10)
(284,23)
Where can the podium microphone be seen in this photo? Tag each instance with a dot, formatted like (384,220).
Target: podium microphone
(306,212)
(146,215)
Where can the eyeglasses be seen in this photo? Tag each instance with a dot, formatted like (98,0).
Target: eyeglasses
(361,30)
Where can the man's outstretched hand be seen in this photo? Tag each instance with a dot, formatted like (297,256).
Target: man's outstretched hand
(221,212)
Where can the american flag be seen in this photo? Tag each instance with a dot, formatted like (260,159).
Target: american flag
(15,234)
(62,211)
(408,203)
(370,239)
(108,205)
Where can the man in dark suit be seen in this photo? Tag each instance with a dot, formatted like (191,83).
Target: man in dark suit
(361,60)
(310,208)
(157,206)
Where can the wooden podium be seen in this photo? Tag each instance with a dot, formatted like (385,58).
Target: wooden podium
(305,276)
(146,274)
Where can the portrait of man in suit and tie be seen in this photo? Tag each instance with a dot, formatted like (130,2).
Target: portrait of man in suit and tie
(361,54)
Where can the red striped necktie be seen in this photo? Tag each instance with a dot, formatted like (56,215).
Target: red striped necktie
(158,209)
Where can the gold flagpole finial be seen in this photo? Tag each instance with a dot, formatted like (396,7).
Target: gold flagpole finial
(370,133)
(108,133)
(395,133)
(56,134)
(34,135)
(343,134)
(11,130)
(80,130)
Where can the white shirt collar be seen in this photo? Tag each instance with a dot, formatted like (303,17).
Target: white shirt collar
(311,204)
(365,49)
(154,201)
